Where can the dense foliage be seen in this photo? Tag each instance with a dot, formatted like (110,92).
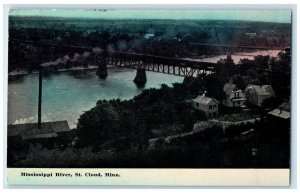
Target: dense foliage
(154,109)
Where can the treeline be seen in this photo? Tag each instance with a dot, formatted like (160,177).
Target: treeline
(168,37)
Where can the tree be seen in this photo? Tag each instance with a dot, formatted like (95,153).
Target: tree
(99,124)
(239,82)
(280,75)
(261,60)
(226,67)
(214,86)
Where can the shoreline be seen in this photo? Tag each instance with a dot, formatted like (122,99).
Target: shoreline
(24,72)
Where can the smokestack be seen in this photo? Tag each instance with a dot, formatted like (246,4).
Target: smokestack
(40,97)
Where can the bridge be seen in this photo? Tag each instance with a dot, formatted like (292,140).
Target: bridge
(166,65)
(148,62)
(141,62)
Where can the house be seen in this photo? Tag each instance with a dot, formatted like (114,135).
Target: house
(255,94)
(208,105)
(234,96)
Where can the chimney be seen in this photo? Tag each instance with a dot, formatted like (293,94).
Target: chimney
(280,111)
(40,98)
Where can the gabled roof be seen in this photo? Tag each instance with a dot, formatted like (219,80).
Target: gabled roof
(229,87)
(204,100)
(262,90)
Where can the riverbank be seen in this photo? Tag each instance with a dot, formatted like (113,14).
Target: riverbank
(24,72)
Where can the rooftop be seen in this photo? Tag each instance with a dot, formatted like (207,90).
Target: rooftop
(229,87)
(204,100)
(280,113)
(31,130)
(262,90)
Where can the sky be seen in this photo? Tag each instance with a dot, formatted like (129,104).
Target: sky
(280,16)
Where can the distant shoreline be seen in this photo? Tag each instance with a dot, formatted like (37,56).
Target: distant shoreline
(24,72)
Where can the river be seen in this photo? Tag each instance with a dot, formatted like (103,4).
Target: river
(66,96)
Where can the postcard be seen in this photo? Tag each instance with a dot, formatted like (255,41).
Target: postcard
(149,97)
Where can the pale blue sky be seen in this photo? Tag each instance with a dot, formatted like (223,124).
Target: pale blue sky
(282,16)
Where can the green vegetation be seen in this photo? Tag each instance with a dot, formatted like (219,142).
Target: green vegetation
(137,118)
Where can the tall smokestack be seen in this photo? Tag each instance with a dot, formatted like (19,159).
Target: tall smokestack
(40,97)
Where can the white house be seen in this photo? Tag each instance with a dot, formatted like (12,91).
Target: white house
(234,97)
(208,105)
(257,94)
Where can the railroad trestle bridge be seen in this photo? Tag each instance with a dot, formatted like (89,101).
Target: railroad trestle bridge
(160,64)
(174,66)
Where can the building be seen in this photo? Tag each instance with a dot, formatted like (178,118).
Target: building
(19,136)
(255,94)
(234,97)
(30,131)
(280,117)
(208,105)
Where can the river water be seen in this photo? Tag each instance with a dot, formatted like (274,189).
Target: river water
(236,57)
(66,96)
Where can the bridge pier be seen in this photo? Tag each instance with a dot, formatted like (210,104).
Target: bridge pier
(102,68)
(102,71)
(140,78)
